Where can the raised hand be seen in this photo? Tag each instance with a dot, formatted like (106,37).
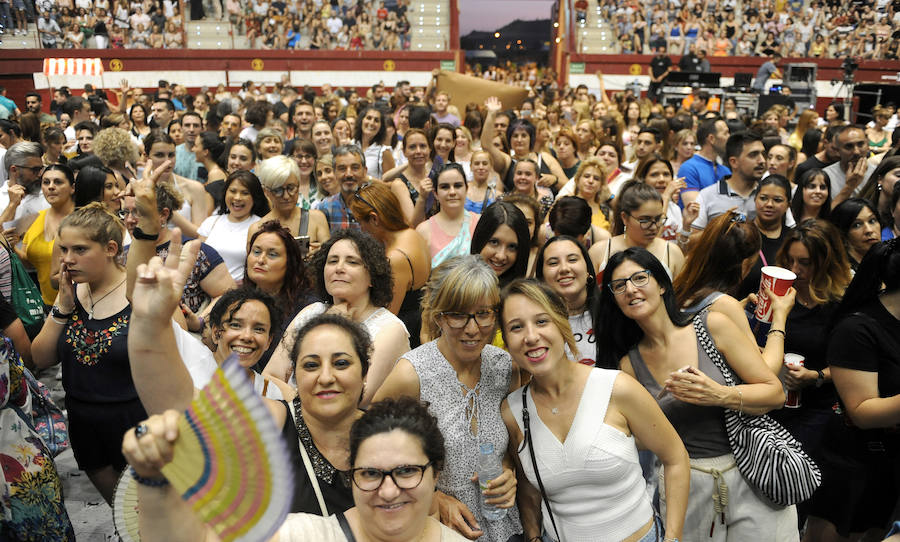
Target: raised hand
(159,286)
(493,104)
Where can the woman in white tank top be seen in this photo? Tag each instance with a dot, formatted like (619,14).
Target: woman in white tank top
(574,436)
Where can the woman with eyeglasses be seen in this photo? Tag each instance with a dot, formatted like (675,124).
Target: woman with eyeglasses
(280,179)
(227,231)
(643,333)
(396,456)
(464,379)
(58,188)
(639,214)
(581,430)
(352,277)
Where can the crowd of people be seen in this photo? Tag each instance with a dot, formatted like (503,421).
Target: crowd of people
(720,28)
(277,25)
(565,286)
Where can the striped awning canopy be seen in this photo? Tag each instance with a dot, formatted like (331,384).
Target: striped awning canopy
(73,66)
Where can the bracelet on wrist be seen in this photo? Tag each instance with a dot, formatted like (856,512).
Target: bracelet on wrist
(775,332)
(149,482)
(57,312)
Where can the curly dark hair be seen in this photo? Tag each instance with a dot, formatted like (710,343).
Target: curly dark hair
(406,414)
(362,343)
(374,258)
(295,285)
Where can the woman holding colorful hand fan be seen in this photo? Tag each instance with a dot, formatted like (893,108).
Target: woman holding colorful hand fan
(396,451)
(330,356)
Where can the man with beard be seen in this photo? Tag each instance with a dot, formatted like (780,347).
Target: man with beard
(33,104)
(21,197)
(350,170)
(747,157)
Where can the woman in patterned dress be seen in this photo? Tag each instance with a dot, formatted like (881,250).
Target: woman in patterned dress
(464,379)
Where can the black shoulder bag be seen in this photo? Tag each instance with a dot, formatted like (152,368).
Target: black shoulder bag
(537,474)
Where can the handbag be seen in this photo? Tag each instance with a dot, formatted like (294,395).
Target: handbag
(527,423)
(49,420)
(766,454)
(24,296)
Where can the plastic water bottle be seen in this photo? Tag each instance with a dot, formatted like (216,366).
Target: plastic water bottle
(489,467)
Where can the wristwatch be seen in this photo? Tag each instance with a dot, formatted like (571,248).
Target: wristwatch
(820,378)
(138,233)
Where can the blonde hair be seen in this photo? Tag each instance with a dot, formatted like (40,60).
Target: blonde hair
(550,303)
(603,194)
(95,220)
(275,171)
(114,147)
(168,196)
(456,285)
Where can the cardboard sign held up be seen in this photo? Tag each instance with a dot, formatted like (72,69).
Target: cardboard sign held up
(465,89)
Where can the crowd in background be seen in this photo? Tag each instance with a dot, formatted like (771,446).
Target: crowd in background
(351,25)
(397,230)
(811,28)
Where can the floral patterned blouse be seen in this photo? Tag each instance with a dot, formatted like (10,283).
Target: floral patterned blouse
(31,500)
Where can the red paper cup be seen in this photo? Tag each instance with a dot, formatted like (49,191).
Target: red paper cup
(792,399)
(779,280)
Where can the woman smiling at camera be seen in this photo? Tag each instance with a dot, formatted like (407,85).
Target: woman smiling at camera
(581,425)
(641,331)
(318,419)
(464,379)
(353,277)
(396,455)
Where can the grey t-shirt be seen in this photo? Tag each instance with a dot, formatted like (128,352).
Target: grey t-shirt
(765,71)
(702,429)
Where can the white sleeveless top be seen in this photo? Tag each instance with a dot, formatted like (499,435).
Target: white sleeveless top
(593,480)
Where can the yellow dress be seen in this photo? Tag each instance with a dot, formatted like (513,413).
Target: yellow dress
(39,252)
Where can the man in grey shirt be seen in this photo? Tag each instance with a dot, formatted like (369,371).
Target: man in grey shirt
(767,70)
(746,157)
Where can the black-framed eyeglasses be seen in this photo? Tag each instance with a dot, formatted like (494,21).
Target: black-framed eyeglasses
(649,222)
(459,320)
(638,278)
(358,196)
(290,189)
(404,476)
(37,170)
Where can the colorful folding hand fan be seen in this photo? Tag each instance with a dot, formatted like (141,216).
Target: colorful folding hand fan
(230,462)
(125,508)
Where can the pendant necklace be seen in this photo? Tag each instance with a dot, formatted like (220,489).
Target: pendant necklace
(94,304)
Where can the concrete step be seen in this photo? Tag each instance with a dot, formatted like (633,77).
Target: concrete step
(26,41)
